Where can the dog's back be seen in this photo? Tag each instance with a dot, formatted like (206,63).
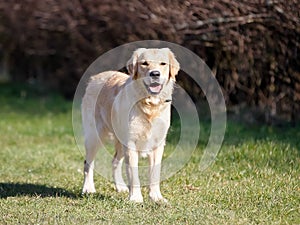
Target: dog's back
(97,103)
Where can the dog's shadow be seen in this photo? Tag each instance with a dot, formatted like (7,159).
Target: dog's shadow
(31,190)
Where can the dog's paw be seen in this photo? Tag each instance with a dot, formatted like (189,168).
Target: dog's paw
(157,197)
(88,189)
(122,188)
(138,198)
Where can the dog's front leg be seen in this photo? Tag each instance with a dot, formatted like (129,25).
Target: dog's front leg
(155,158)
(132,161)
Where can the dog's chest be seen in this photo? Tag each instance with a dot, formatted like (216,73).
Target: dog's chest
(147,135)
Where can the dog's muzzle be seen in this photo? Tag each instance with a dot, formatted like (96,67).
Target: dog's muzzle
(153,82)
(154,88)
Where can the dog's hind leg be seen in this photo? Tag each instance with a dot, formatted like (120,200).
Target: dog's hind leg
(117,168)
(92,144)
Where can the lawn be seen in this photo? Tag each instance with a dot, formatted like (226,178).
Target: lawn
(255,179)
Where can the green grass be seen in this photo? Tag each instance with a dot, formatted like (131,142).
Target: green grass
(255,179)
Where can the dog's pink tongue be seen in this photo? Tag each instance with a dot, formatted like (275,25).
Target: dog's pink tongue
(155,88)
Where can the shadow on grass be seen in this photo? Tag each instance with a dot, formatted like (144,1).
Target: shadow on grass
(24,189)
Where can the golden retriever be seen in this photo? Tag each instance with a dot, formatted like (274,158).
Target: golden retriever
(135,111)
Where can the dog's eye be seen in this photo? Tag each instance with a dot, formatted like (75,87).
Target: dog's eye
(145,63)
(163,63)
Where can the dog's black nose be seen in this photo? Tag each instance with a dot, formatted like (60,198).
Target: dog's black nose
(154,73)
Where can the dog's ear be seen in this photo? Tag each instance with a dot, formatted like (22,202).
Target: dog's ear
(132,64)
(174,65)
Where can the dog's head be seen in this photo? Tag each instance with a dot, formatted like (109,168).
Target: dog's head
(155,66)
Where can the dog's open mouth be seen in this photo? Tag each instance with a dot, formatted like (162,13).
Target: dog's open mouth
(154,88)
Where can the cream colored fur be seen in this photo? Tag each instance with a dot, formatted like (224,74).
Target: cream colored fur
(135,110)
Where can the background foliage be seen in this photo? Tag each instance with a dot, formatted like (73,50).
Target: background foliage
(252,47)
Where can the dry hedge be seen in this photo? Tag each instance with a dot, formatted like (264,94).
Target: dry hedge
(253,47)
